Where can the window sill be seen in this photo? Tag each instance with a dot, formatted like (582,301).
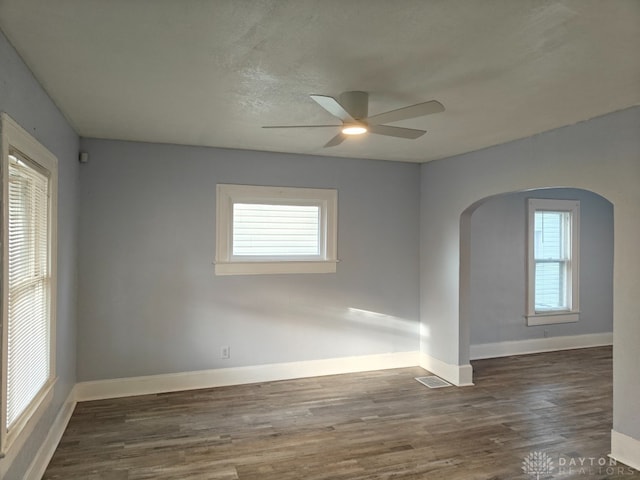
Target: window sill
(261,268)
(552,318)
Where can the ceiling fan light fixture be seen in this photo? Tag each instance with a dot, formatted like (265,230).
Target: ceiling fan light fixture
(354,129)
(353,111)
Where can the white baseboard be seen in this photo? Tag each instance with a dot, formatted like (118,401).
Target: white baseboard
(125,387)
(539,345)
(459,375)
(45,452)
(625,449)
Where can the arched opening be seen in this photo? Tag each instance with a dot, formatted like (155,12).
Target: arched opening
(600,156)
(493,277)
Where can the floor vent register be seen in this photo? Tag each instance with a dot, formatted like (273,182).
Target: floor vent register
(433,382)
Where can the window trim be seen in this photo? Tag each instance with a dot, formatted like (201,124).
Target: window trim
(554,316)
(228,194)
(14,137)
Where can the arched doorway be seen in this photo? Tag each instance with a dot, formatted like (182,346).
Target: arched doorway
(493,285)
(599,155)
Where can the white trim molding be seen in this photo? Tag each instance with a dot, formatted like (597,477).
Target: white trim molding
(569,257)
(552,318)
(256,268)
(18,143)
(48,447)
(45,452)
(125,387)
(539,345)
(459,375)
(324,261)
(625,449)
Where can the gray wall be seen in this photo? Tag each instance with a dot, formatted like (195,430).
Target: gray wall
(498,273)
(26,102)
(601,155)
(149,301)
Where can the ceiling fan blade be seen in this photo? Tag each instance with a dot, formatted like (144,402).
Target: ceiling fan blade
(300,126)
(399,132)
(337,140)
(412,111)
(332,106)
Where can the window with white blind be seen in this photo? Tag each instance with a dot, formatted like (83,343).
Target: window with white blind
(275,230)
(553,261)
(28,300)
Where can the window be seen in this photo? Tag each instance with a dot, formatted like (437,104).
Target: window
(275,230)
(553,261)
(29,178)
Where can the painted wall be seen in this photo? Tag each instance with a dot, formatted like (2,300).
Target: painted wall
(149,301)
(26,102)
(601,155)
(498,268)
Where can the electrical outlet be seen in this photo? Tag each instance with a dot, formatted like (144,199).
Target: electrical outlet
(224,351)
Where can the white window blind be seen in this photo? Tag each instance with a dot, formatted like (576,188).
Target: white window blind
(28,355)
(276,230)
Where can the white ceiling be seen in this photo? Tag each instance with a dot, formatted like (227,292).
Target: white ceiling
(213,72)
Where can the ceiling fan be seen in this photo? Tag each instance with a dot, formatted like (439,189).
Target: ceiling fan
(353,111)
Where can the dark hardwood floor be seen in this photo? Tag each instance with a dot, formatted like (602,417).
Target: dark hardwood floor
(375,425)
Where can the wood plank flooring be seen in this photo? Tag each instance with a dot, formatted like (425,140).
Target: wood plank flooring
(375,425)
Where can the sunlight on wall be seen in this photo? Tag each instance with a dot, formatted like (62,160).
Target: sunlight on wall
(380,320)
(425,331)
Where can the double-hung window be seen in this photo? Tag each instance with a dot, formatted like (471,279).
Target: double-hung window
(553,261)
(275,230)
(29,178)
